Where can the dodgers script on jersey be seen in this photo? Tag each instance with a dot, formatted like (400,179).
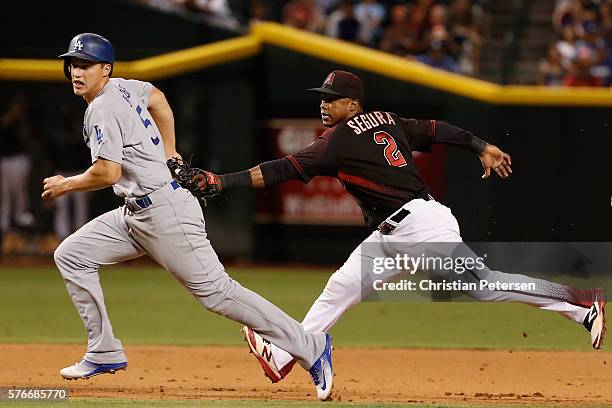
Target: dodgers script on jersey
(118,127)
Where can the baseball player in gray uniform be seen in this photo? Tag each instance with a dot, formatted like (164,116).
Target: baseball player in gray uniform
(129,127)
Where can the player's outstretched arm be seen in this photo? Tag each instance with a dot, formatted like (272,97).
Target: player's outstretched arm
(103,173)
(260,176)
(247,178)
(492,157)
(160,111)
(302,165)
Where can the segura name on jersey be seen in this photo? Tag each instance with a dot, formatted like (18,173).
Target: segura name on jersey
(367,121)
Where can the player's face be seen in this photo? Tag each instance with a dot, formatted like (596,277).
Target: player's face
(87,76)
(334,109)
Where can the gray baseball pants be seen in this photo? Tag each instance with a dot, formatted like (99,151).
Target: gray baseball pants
(172,231)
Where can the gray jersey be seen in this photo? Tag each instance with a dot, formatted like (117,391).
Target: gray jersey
(118,127)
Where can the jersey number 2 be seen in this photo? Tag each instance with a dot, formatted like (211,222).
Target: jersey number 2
(394,157)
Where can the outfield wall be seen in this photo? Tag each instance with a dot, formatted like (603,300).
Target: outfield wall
(560,189)
(559,139)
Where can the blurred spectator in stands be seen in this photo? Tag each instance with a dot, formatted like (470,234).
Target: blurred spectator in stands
(260,11)
(590,14)
(174,6)
(439,57)
(603,66)
(15,164)
(370,15)
(580,70)
(567,46)
(438,18)
(551,71)
(464,28)
(591,36)
(438,22)
(605,20)
(568,13)
(343,24)
(594,39)
(69,158)
(304,15)
(464,19)
(215,10)
(420,23)
(397,37)
(328,6)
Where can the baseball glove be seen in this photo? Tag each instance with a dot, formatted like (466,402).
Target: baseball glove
(201,183)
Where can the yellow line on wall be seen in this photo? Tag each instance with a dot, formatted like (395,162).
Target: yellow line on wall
(371,60)
(31,70)
(402,69)
(161,66)
(192,59)
(554,96)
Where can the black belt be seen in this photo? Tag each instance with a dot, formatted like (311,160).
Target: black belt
(387,226)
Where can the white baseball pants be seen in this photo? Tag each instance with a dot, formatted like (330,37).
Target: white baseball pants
(428,221)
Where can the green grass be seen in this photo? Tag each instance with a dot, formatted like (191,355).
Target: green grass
(89,403)
(147,306)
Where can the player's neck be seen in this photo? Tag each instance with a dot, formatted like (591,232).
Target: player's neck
(95,91)
(354,113)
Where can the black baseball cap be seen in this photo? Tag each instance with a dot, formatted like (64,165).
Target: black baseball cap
(343,84)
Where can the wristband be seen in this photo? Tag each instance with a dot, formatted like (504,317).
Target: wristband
(477,145)
(233,180)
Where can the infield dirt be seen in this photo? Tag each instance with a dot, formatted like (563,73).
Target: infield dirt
(382,375)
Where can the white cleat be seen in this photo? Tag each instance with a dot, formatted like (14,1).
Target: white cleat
(595,322)
(322,372)
(85,369)
(262,349)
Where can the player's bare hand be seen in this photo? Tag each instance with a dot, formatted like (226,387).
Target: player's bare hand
(53,187)
(492,157)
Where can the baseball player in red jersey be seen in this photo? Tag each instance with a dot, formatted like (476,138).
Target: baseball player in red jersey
(370,153)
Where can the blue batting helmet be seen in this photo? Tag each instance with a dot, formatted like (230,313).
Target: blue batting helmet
(90,47)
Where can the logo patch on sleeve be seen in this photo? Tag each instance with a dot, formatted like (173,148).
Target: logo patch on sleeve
(99,134)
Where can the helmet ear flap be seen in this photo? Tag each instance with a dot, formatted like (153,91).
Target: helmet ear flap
(67,68)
